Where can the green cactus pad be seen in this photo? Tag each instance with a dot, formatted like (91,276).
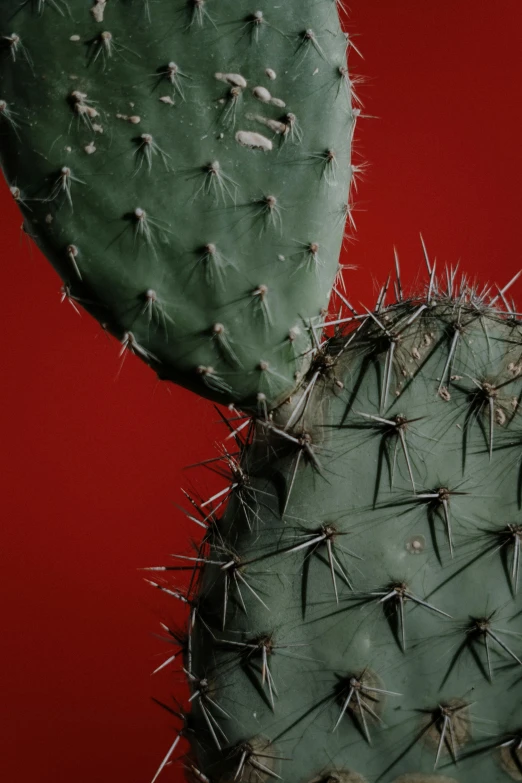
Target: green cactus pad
(185,166)
(359,604)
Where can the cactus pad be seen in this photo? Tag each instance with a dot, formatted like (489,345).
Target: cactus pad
(185,166)
(358,604)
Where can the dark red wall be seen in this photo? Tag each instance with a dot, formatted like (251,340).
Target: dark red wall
(91,466)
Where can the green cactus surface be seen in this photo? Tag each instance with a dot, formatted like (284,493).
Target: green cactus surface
(185,165)
(355,612)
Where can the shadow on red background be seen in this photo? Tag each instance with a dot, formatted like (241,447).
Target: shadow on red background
(91,467)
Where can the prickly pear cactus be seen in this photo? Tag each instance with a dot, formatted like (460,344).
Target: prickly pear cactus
(185,166)
(355,614)
(354,606)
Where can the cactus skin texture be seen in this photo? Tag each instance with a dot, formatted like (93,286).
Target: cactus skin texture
(185,165)
(354,603)
(372,542)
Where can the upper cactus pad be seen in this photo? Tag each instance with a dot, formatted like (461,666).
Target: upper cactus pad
(185,166)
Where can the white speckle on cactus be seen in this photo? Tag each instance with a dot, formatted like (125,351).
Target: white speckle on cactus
(98,10)
(253,140)
(234,79)
(79,97)
(416,545)
(86,111)
(271,73)
(264,95)
(500,416)
(275,125)
(134,119)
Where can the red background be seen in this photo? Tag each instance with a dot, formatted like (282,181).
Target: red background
(91,466)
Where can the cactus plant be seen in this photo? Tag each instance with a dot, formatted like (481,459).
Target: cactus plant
(185,166)
(358,604)
(354,604)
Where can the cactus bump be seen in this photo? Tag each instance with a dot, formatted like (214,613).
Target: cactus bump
(353,610)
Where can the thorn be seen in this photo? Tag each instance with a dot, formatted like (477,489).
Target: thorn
(363,693)
(432,282)
(167,757)
(382,295)
(398,275)
(506,287)
(399,593)
(425,252)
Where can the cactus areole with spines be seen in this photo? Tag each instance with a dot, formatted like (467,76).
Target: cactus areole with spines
(354,606)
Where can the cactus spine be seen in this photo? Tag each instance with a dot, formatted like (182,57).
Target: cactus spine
(354,608)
